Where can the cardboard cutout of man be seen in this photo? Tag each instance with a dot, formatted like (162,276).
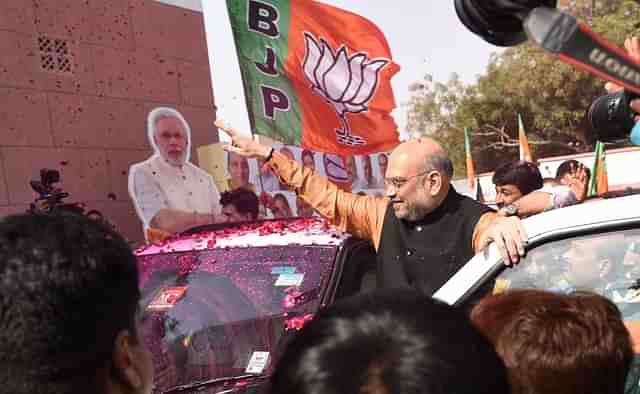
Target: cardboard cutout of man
(168,192)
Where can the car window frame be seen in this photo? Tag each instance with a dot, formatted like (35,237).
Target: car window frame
(488,264)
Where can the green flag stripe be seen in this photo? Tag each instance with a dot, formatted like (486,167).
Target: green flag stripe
(252,49)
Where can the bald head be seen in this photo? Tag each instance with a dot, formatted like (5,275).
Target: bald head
(417,178)
(422,154)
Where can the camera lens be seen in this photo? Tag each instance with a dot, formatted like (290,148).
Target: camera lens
(610,117)
(498,22)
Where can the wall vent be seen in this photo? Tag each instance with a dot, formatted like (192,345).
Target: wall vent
(55,55)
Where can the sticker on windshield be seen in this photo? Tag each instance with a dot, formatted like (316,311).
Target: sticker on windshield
(167,298)
(283,270)
(289,280)
(258,362)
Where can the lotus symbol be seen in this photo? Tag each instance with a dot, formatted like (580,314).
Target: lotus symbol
(346,82)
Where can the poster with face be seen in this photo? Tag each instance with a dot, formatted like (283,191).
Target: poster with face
(357,174)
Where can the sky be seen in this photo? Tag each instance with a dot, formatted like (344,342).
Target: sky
(425,36)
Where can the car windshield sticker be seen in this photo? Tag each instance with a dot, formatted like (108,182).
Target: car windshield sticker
(258,362)
(282,270)
(289,280)
(167,298)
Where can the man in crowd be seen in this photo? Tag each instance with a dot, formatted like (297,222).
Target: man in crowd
(519,190)
(423,231)
(69,314)
(567,173)
(390,342)
(514,180)
(239,205)
(170,193)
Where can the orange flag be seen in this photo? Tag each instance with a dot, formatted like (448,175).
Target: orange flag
(471,170)
(525,152)
(315,76)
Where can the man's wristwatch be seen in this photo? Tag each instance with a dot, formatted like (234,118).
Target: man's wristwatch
(508,210)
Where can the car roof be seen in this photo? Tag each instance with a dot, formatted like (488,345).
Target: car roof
(587,213)
(299,231)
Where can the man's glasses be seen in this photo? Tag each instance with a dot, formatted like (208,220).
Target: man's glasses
(397,183)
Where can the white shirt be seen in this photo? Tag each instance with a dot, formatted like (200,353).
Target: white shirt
(155,184)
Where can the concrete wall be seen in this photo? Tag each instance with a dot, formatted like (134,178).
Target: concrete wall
(77,78)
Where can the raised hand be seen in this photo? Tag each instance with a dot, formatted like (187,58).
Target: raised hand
(578,182)
(242,144)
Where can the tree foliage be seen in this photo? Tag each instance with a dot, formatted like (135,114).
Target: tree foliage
(551,96)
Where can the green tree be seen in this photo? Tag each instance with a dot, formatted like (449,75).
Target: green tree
(551,96)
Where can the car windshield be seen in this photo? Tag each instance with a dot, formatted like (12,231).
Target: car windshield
(223,312)
(606,263)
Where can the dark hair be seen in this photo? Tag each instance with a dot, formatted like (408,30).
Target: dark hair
(389,342)
(523,174)
(555,343)
(245,201)
(68,286)
(567,166)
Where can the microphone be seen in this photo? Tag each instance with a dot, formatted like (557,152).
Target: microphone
(575,43)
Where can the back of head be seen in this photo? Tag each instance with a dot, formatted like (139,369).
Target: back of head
(245,201)
(389,342)
(68,286)
(523,174)
(555,343)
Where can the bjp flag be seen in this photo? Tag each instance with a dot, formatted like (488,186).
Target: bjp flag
(471,169)
(315,76)
(599,183)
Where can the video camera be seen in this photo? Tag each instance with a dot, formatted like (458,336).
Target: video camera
(50,197)
(511,22)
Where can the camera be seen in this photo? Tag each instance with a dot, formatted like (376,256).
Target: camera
(610,116)
(498,22)
(50,197)
(511,22)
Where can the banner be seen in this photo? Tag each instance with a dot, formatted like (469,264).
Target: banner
(310,81)
(362,174)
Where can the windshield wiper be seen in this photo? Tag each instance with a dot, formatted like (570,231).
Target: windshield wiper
(226,379)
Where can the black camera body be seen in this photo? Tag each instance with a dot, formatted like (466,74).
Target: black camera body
(498,22)
(50,197)
(610,116)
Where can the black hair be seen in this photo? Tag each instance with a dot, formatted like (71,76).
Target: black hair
(389,342)
(68,286)
(523,174)
(245,201)
(569,165)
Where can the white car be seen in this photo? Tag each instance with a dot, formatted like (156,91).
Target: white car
(593,246)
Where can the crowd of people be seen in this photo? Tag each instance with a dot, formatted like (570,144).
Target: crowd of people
(70,314)
(70,322)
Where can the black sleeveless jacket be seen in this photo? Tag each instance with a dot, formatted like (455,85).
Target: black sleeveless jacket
(426,253)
